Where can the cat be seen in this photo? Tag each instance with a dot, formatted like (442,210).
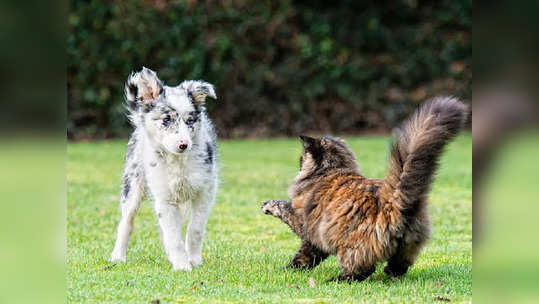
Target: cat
(364,221)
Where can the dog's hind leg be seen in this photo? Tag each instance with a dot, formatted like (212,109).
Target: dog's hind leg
(132,195)
(171,217)
(200,210)
(285,211)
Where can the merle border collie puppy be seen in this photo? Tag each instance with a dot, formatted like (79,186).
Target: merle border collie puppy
(172,156)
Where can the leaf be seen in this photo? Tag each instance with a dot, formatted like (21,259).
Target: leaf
(394,94)
(312,283)
(103,212)
(195,287)
(439,283)
(418,94)
(156,301)
(394,279)
(457,67)
(440,298)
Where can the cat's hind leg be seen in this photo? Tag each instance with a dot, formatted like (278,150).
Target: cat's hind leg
(409,245)
(353,267)
(403,258)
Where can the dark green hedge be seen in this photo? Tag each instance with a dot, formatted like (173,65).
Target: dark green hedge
(280,67)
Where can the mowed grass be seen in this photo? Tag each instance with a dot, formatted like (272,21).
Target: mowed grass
(245,250)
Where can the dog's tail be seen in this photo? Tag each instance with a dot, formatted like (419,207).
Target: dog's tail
(416,149)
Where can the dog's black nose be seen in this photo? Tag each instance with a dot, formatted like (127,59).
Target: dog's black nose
(183,146)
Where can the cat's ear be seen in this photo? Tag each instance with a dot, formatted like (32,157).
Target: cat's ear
(308,142)
(142,88)
(199,90)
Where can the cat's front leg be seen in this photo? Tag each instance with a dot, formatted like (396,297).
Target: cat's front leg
(284,210)
(307,257)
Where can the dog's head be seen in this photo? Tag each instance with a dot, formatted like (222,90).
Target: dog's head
(171,116)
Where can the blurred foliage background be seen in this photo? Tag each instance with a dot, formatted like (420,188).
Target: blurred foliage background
(280,67)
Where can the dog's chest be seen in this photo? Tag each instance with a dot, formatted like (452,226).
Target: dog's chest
(186,177)
(178,179)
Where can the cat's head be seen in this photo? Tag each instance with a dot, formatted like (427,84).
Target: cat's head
(321,155)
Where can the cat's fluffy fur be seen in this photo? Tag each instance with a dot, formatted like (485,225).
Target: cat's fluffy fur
(335,210)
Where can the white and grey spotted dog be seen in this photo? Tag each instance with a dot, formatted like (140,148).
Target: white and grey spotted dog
(172,155)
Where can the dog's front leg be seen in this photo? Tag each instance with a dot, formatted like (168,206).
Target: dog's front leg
(132,195)
(196,229)
(170,219)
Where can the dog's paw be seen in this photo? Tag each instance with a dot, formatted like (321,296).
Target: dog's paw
(271,207)
(181,266)
(195,261)
(118,258)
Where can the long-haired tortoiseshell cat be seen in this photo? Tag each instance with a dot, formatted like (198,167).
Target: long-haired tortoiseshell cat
(335,210)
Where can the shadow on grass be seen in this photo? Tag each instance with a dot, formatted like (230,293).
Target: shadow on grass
(445,273)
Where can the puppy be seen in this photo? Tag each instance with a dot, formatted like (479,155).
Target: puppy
(171,154)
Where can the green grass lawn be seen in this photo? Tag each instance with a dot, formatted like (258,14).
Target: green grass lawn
(245,250)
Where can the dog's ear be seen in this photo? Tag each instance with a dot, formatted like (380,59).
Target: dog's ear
(142,88)
(199,90)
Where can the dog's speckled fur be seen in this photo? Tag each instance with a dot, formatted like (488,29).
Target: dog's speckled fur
(335,210)
(172,154)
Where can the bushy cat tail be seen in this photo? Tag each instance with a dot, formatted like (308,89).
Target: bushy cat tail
(415,152)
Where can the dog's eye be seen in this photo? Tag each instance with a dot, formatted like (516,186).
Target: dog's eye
(190,121)
(166,120)
(190,118)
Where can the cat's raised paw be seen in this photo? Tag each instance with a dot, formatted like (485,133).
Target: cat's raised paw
(271,207)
